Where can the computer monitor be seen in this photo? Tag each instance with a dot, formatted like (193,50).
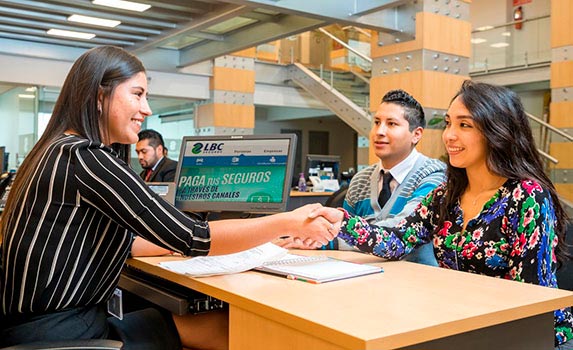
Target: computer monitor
(323,165)
(3,160)
(249,173)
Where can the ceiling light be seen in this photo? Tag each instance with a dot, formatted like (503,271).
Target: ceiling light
(481,29)
(94,20)
(70,34)
(26,96)
(478,40)
(499,45)
(31,89)
(124,5)
(506,33)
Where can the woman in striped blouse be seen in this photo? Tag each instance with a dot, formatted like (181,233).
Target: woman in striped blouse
(66,229)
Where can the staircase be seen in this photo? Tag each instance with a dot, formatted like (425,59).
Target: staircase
(550,141)
(349,84)
(342,92)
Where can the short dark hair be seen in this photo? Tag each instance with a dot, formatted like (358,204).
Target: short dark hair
(155,138)
(413,111)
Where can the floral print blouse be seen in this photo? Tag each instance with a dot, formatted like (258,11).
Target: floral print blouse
(513,237)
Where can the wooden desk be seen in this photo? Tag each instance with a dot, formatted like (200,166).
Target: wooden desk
(298,199)
(407,306)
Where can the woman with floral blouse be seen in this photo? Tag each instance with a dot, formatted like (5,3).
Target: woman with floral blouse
(497,214)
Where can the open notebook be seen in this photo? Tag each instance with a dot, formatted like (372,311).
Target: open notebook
(271,258)
(316,269)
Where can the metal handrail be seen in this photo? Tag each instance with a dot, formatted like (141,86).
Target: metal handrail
(565,202)
(548,156)
(552,159)
(360,30)
(345,45)
(550,127)
(510,24)
(360,76)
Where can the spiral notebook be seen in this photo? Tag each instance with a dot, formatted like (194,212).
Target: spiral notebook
(316,269)
(273,259)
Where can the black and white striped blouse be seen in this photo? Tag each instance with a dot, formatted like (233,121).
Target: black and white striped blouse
(72,231)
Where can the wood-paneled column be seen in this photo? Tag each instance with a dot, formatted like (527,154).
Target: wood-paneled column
(431,66)
(231,108)
(561,108)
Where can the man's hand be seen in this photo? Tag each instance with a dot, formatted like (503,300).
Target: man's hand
(319,226)
(293,243)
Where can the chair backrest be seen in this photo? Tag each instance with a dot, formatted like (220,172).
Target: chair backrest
(337,198)
(565,272)
(80,344)
(88,344)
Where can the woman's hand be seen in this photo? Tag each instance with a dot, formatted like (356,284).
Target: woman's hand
(292,243)
(315,225)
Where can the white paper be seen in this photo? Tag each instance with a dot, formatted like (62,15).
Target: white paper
(203,266)
(330,185)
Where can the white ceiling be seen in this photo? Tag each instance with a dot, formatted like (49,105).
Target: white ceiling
(197,30)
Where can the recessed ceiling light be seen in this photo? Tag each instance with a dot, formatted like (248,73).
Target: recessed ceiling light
(94,20)
(121,4)
(70,34)
(478,40)
(26,96)
(499,45)
(506,33)
(481,29)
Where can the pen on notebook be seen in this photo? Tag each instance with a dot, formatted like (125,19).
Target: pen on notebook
(296,278)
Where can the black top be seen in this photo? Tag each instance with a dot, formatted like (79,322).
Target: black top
(72,233)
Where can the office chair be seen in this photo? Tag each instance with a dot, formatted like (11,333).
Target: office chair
(565,272)
(337,198)
(88,344)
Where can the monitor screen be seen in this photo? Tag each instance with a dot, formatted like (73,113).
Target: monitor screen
(3,160)
(249,173)
(323,165)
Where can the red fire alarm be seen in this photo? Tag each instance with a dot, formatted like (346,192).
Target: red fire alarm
(518,16)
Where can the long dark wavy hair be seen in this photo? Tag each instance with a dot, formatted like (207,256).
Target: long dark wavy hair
(94,75)
(511,151)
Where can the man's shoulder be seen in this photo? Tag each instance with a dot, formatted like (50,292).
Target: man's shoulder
(363,178)
(361,181)
(169,163)
(426,172)
(366,172)
(426,165)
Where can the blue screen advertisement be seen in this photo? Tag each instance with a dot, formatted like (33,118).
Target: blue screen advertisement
(233,171)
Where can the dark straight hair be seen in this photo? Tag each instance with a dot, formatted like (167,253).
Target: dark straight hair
(511,152)
(97,71)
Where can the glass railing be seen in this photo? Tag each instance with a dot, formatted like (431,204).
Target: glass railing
(505,46)
(546,134)
(347,83)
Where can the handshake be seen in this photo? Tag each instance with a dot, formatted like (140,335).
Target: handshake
(313,226)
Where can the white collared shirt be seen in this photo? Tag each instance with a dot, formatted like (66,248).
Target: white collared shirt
(156,164)
(399,171)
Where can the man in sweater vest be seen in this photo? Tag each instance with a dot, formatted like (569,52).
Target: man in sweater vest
(391,189)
